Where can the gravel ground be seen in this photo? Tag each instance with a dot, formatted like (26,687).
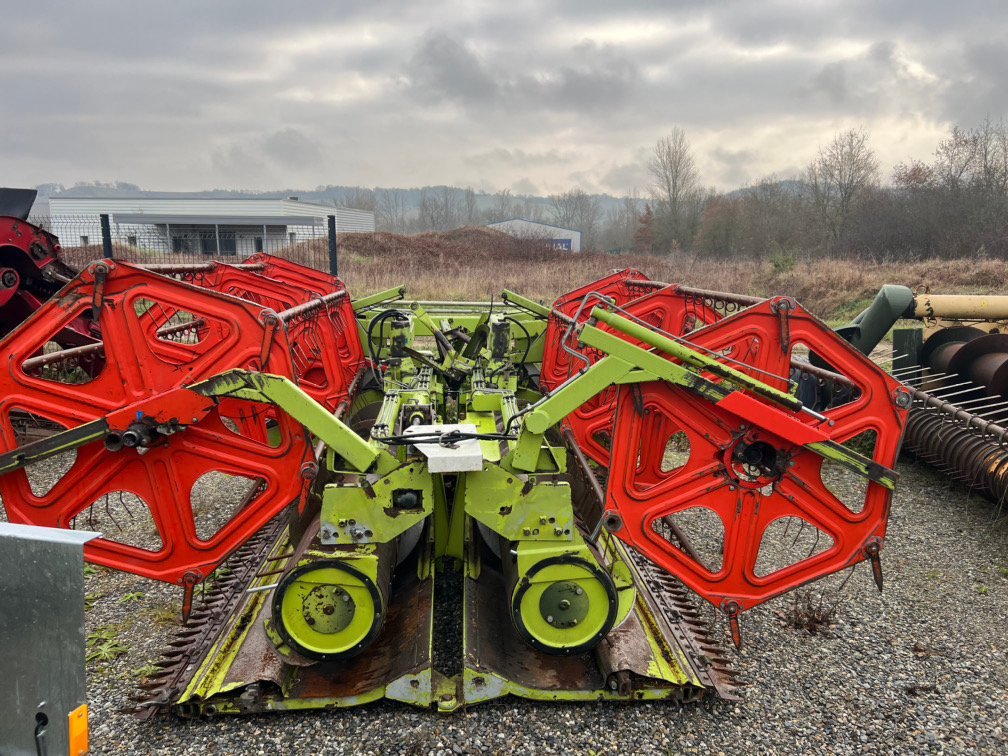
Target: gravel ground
(920,667)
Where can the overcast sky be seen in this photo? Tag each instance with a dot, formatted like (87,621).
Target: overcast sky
(532,96)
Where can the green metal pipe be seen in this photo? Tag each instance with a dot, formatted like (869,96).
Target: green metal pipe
(694,358)
(872,324)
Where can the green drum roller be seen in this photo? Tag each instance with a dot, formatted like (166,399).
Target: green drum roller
(564,604)
(331,609)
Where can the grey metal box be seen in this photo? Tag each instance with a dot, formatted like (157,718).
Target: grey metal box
(41,636)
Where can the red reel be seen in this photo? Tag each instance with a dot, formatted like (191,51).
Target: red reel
(687,465)
(665,309)
(243,441)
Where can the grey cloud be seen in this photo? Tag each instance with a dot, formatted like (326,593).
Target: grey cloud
(981,87)
(586,78)
(524,186)
(598,77)
(190,94)
(237,161)
(876,82)
(518,157)
(626,176)
(736,164)
(291,147)
(444,67)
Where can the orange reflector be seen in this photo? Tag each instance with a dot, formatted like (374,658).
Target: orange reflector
(79,731)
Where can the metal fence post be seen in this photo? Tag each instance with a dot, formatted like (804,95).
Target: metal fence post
(333,262)
(106,237)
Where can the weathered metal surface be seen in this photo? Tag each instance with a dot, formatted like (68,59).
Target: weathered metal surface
(41,637)
(241,369)
(188,650)
(959,421)
(31,268)
(721,423)
(927,306)
(243,673)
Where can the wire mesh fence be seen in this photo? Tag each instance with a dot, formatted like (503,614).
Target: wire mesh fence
(164,242)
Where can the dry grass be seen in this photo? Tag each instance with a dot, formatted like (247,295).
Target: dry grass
(477,263)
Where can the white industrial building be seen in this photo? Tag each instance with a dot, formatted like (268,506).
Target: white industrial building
(559,238)
(193,224)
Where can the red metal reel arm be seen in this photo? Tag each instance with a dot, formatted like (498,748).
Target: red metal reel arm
(641,494)
(139,381)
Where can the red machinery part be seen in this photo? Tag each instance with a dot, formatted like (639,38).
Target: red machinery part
(325,344)
(30,270)
(9,284)
(685,456)
(617,287)
(666,309)
(158,334)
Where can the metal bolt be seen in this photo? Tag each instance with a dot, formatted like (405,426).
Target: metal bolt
(564,604)
(579,591)
(550,619)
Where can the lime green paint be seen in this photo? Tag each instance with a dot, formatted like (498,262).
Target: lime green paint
(441,515)
(454,536)
(388,295)
(53,445)
(361,512)
(518,507)
(571,395)
(275,389)
(527,304)
(647,365)
(302,602)
(856,462)
(692,357)
(582,620)
(652,365)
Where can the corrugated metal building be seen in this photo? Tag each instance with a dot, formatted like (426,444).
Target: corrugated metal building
(211,225)
(560,238)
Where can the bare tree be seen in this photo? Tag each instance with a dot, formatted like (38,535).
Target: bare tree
(956,158)
(579,211)
(841,175)
(470,207)
(439,208)
(674,171)
(503,207)
(621,223)
(358,198)
(675,190)
(528,208)
(390,210)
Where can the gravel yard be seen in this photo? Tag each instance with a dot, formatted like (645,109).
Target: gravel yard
(919,667)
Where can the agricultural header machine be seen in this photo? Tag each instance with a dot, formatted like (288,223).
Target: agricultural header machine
(31,269)
(554,482)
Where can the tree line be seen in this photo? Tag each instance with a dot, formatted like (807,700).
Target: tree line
(952,205)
